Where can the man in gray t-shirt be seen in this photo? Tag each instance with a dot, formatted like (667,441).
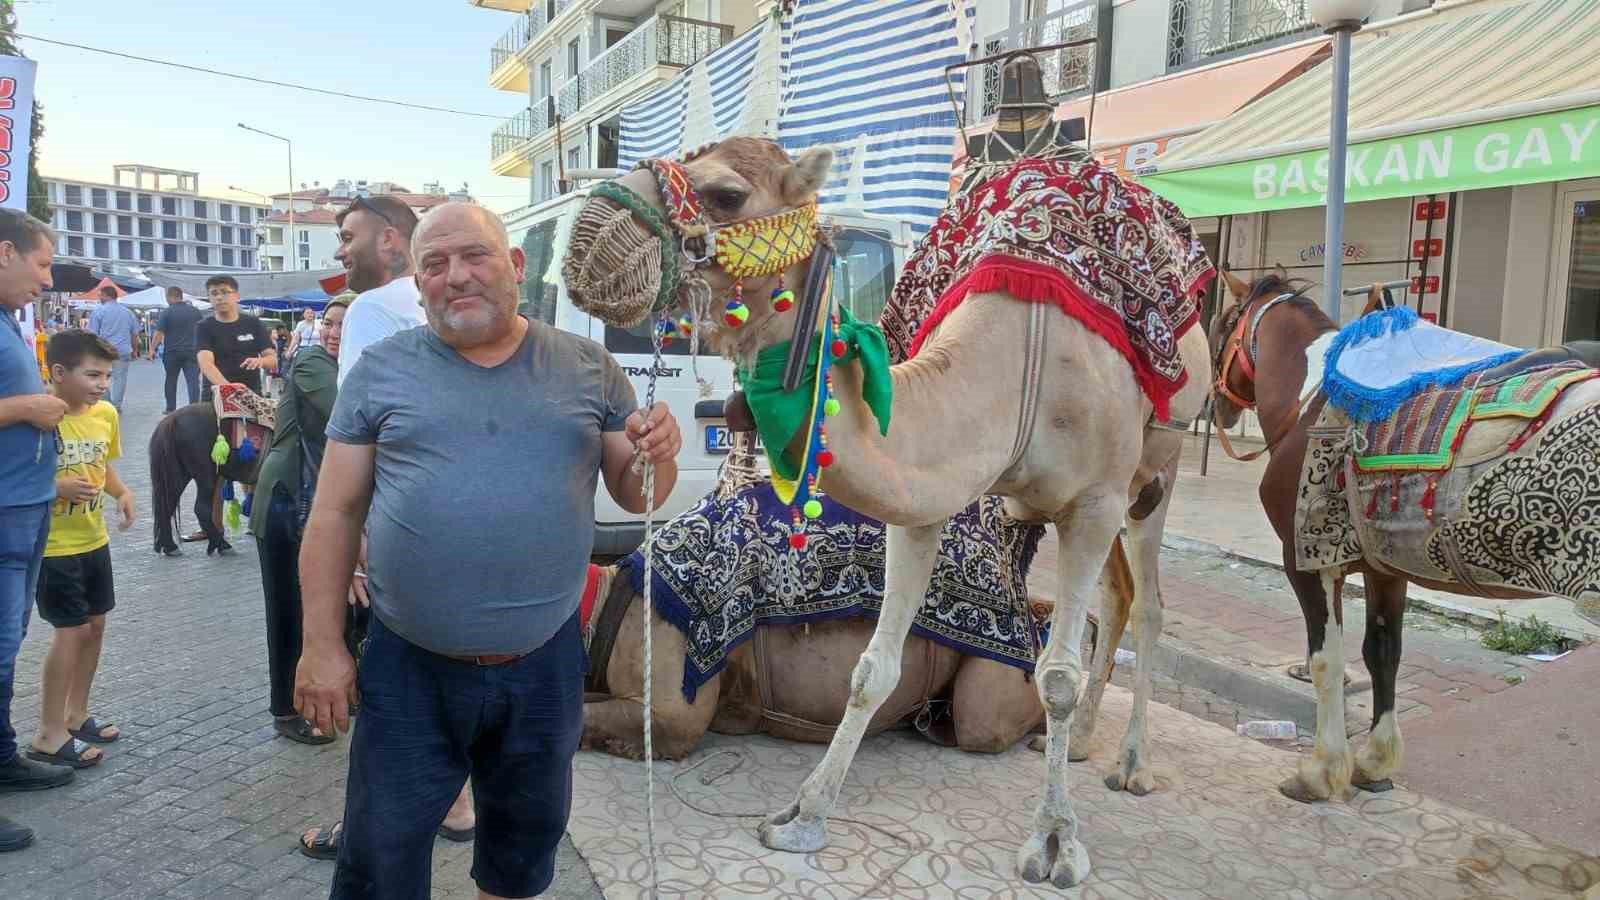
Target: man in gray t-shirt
(477,442)
(175,338)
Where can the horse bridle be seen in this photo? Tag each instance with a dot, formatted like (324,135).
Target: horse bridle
(1237,350)
(742,248)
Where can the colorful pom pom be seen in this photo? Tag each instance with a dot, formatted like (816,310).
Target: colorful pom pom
(839,348)
(782,299)
(813,509)
(830,407)
(797,541)
(685,326)
(825,458)
(737,314)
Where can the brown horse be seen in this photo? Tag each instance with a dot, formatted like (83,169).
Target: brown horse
(1260,343)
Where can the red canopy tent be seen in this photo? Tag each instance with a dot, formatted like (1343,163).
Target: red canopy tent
(94,292)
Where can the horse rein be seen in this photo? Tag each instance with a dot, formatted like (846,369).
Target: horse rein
(1237,350)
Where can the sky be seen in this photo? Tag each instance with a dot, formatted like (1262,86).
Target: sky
(102,110)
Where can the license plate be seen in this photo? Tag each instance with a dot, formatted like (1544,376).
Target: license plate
(719,439)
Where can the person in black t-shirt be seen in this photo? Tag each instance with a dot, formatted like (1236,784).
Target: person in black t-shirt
(232,347)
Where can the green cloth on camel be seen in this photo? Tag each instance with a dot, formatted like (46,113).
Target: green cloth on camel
(780,415)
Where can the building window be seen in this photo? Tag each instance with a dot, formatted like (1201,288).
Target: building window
(200,210)
(169,253)
(227,256)
(244,237)
(169,230)
(274,235)
(304,252)
(74,220)
(547,180)
(98,198)
(225,235)
(102,248)
(124,249)
(305,236)
(147,228)
(169,206)
(202,255)
(125,225)
(245,257)
(124,201)
(74,245)
(74,195)
(305,265)
(225,212)
(102,223)
(544,79)
(144,202)
(572,58)
(147,251)
(202,232)
(575,158)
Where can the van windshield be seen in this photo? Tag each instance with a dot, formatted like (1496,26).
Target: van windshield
(863,276)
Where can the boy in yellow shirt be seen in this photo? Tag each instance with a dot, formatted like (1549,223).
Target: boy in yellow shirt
(75,581)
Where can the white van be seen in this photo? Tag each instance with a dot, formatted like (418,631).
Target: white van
(871,250)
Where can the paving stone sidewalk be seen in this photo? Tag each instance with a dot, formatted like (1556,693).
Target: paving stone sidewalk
(200,799)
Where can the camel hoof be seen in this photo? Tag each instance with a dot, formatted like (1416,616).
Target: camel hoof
(1075,752)
(1131,774)
(791,833)
(1036,744)
(1381,786)
(1054,856)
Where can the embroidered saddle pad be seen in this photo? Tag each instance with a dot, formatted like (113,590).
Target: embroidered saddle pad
(242,415)
(1384,359)
(1105,250)
(724,567)
(1427,430)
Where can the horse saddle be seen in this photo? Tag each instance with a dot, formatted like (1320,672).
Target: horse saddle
(242,415)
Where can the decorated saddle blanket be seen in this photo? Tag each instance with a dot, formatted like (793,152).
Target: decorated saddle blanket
(243,415)
(1384,359)
(1490,487)
(1107,251)
(724,567)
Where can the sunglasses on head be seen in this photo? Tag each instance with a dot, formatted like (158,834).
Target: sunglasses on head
(363,203)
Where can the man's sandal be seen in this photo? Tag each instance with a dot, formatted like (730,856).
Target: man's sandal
(68,754)
(93,732)
(324,843)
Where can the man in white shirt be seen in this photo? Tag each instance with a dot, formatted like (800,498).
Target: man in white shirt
(375,250)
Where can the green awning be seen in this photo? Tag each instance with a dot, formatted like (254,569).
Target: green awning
(1487,95)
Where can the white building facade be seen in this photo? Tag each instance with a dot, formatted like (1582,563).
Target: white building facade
(151,217)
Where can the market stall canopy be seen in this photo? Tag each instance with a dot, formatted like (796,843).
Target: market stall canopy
(71,278)
(292,302)
(252,285)
(156,298)
(1467,96)
(94,292)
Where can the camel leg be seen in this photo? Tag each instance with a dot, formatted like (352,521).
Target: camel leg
(1144,537)
(1386,609)
(992,705)
(1116,602)
(616,726)
(1325,774)
(1053,851)
(909,558)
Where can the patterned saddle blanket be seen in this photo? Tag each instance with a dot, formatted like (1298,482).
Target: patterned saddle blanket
(724,567)
(1490,487)
(243,415)
(1105,250)
(1386,359)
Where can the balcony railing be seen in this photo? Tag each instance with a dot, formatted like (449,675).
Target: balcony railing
(1203,31)
(1067,73)
(541,12)
(510,44)
(660,41)
(518,130)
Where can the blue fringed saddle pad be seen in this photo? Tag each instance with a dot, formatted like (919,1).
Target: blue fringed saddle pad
(724,566)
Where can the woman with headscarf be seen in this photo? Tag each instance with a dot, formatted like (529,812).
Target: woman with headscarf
(284,487)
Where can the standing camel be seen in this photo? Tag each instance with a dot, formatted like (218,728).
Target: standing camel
(1539,539)
(1076,456)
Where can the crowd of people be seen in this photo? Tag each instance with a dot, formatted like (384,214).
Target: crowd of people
(423,519)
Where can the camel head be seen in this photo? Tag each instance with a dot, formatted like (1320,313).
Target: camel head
(708,235)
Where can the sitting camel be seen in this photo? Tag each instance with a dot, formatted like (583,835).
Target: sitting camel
(1071,417)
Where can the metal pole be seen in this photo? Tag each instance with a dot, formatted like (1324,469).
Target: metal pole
(1338,135)
(293,241)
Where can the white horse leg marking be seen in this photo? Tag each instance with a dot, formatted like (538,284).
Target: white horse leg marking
(1053,851)
(1326,773)
(909,558)
(1381,756)
(1144,539)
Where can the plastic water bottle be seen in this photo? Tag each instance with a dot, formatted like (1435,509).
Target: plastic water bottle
(1268,731)
(1124,657)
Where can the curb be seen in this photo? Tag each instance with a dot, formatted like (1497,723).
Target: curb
(1260,690)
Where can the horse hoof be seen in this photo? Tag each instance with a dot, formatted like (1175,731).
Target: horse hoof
(1055,856)
(1381,786)
(790,832)
(1296,789)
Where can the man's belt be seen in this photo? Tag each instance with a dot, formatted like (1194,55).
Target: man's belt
(491,659)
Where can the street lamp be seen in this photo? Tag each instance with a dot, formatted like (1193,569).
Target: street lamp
(287,263)
(1342,19)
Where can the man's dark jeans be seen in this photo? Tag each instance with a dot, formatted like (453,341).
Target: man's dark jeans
(426,723)
(23,530)
(186,362)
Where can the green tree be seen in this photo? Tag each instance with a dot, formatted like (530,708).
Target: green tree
(37,204)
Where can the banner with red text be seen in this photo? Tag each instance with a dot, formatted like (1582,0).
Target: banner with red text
(16,129)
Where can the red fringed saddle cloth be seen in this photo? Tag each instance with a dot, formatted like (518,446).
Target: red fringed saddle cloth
(1108,252)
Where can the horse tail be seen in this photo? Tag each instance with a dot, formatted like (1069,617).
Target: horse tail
(166,474)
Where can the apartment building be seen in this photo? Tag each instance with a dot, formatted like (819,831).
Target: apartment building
(150,216)
(311,239)
(578,62)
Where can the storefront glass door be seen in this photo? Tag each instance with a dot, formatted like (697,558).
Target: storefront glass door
(1577,281)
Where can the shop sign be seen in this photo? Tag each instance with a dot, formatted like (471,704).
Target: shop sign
(1319,251)
(1427,249)
(1430,286)
(1430,210)
(1556,146)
